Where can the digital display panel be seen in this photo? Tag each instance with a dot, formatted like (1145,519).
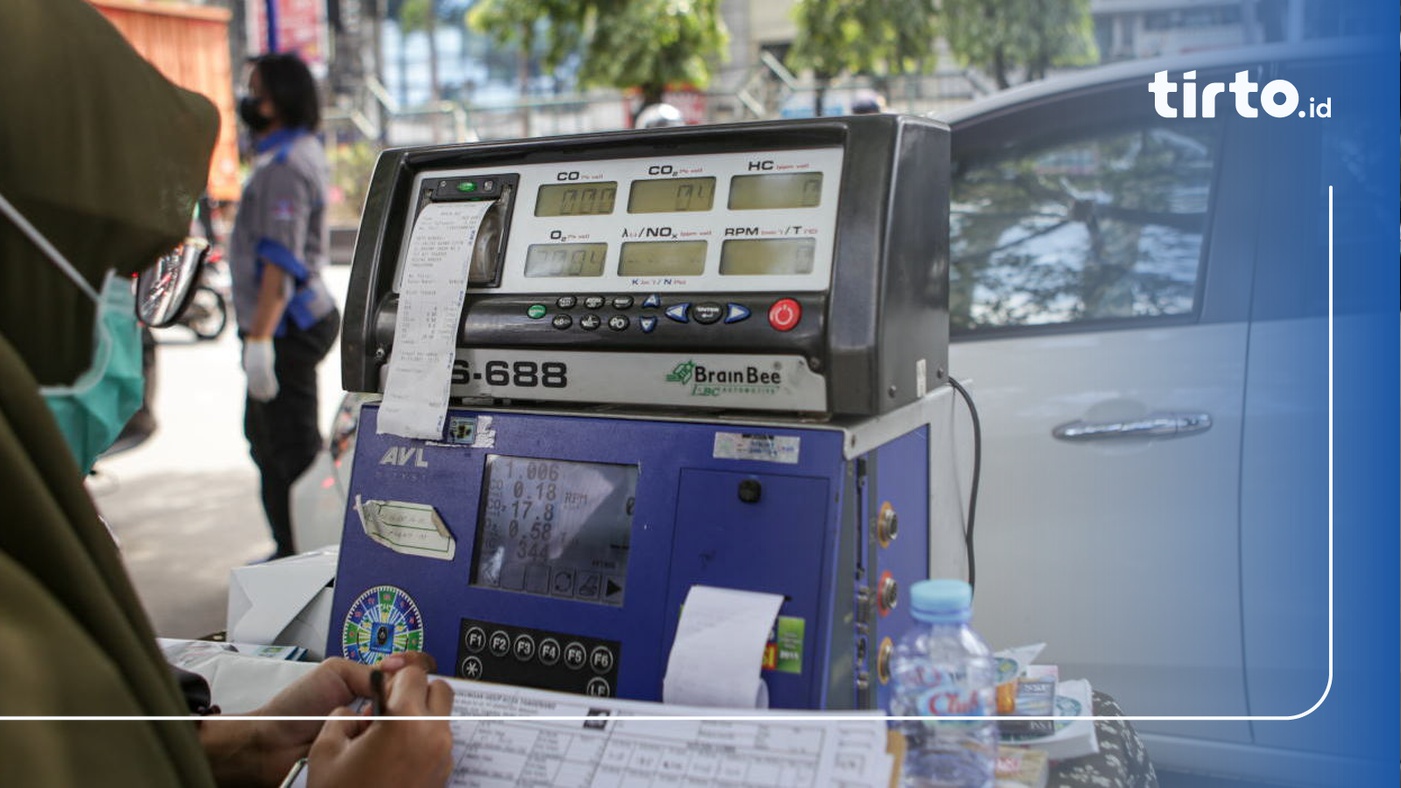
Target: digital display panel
(766,256)
(565,259)
(662,258)
(555,528)
(576,199)
(666,195)
(776,190)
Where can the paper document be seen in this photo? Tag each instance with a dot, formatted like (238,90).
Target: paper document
(603,747)
(431,293)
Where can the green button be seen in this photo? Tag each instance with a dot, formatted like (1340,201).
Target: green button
(467,186)
(536,311)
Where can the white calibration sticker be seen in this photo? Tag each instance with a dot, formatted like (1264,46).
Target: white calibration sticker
(763,448)
(408,528)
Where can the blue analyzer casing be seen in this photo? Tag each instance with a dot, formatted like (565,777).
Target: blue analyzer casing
(809,530)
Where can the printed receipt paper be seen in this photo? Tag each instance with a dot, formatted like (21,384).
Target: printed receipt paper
(431,292)
(719,649)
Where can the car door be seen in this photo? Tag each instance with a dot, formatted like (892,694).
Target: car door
(1100,263)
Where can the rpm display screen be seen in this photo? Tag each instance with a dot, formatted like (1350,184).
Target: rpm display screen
(555,528)
(666,195)
(565,259)
(662,258)
(767,256)
(779,190)
(576,199)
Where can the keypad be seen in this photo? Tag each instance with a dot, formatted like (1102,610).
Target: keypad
(537,658)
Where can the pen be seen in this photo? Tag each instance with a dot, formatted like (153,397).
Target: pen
(377,688)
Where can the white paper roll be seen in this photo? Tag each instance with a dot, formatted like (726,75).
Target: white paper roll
(431,293)
(719,649)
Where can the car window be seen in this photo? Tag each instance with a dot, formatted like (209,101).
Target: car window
(1107,225)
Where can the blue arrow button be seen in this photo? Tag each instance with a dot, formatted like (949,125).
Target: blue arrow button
(680,312)
(735,313)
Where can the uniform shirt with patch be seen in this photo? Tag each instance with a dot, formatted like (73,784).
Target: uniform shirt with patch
(282,221)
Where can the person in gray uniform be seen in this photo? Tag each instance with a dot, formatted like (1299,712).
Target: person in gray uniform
(287,318)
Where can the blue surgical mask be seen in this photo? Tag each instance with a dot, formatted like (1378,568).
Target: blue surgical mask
(93,409)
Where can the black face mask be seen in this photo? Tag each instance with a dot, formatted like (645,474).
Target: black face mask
(249,114)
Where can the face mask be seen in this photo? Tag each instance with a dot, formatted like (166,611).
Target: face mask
(92,411)
(249,114)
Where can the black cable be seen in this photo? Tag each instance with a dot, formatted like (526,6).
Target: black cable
(977,473)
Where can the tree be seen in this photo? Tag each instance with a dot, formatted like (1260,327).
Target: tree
(422,15)
(650,44)
(855,36)
(516,22)
(1002,35)
(644,44)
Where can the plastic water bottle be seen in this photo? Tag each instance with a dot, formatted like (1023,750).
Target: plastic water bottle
(942,668)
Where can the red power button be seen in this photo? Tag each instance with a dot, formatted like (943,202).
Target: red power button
(784,314)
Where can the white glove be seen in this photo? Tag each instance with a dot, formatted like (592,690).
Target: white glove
(258,356)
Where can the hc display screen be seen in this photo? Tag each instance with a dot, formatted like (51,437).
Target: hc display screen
(555,528)
(796,190)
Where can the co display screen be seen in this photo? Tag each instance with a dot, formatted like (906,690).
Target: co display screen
(662,258)
(576,199)
(555,528)
(565,259)
(781,190)
(667,195)
(760,257)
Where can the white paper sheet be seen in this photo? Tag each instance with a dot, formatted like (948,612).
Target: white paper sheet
(431,293)
(605,748)
(719,648)
(574,741)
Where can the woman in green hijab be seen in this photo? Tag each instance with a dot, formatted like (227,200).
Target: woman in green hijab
(102,158)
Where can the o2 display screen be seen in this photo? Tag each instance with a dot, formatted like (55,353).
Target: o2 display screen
(565,259)
(555,528)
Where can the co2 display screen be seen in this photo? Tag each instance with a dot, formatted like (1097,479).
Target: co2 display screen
(662,258)
(555,528)
(781,190)
(576,199)
(767,256)
(671,195)
(565,259)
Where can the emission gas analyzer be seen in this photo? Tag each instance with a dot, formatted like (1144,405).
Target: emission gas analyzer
(685,356)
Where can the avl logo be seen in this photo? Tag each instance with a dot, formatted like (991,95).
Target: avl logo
(1278,98)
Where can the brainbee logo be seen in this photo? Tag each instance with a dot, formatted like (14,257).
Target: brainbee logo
(1279,98)
(682,373)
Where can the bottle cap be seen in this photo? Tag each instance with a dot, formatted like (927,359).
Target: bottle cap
(941,600)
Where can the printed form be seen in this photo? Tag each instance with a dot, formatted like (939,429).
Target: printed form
(602,746)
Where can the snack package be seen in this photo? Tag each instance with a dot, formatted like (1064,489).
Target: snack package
(1071,737)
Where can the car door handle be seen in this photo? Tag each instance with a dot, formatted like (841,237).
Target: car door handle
(1154,425)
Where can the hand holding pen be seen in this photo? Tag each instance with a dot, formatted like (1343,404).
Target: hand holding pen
(355,749)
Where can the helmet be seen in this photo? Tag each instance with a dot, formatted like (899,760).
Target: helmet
(656,116)
(867,102)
